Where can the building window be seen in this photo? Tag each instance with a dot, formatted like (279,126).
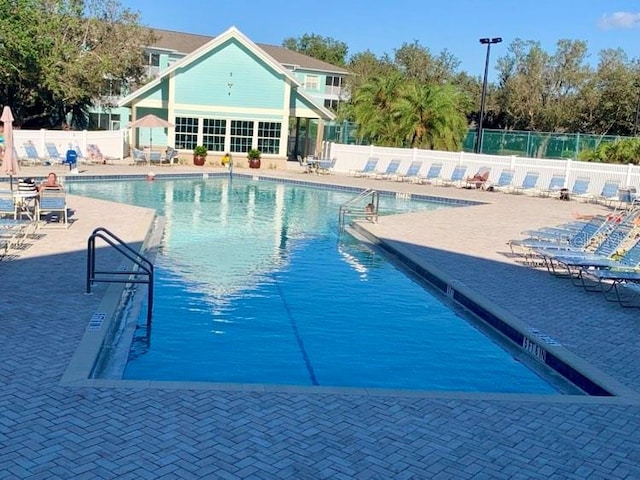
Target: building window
(332,104)
(104,121)
(186,133)
(311,82)
(213,133)
(269,137)
(151,59)
(333,81)
(241,136)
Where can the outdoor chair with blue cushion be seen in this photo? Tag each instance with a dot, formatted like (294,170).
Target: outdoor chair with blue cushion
(170,155)
(53,156)
(325,166)
(390,172)
(155,157)
(580,189)
(139,157)
(505,181)
(368,170)
(457,177)
(32,157)
(53,205)
(433,174)
(412,174)
(568,264)
(609,193)
(8,206)
(565,240)
(528,183)
(555,185)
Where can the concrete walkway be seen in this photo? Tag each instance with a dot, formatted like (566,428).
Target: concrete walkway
(130,431)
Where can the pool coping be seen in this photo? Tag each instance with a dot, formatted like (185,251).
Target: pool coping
(103,323)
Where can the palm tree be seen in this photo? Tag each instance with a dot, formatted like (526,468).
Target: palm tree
(431,116)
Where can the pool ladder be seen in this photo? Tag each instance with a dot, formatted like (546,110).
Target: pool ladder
(142,271)
(362,206)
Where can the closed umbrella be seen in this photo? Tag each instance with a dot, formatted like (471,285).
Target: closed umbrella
(9,161)
(151,121)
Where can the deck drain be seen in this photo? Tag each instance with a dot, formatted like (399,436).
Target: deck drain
(96,321)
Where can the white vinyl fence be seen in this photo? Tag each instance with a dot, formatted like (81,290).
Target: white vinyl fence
(354,157)
(112,143)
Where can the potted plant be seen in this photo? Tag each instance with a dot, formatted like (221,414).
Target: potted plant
(254,158)
(199,155)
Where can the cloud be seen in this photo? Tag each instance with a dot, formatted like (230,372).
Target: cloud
(619,20)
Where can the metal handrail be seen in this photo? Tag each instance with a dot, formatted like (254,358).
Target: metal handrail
(145,267)
(369,212)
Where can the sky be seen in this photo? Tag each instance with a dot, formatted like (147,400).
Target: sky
(383,26)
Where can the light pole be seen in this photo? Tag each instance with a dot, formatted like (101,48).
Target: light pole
(487,42)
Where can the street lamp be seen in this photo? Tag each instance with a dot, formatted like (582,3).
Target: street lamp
(487,42)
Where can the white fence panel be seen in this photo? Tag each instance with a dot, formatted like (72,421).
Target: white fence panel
(354,157)
(110,142)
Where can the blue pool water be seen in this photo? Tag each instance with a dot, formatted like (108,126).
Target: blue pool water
(254,284)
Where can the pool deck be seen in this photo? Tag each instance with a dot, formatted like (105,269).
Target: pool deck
(134,430)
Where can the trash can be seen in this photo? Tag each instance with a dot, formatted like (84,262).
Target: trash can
(72,160)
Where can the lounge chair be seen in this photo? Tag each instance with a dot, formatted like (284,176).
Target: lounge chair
(505,181)
(32,157)
(457,177)
(580,189)
(390,172)
(433,174)
(566,240)
(528,183)
(412,174)
(555,185)
(609,193)
(479,179)
(368,170)
(8,207)
(53,156)
(568,264)
(94,154)
(53,204)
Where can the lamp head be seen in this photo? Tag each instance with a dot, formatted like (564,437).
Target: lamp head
(485,41)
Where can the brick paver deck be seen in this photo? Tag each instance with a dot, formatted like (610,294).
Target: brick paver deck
(48,430)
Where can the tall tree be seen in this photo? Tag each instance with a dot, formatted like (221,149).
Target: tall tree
(55,56)
(538,90)
(417,62)
(326,49)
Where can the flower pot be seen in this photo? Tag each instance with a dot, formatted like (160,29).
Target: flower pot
(199,160)
(254,163)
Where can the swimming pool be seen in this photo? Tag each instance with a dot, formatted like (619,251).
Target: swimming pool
(255,284)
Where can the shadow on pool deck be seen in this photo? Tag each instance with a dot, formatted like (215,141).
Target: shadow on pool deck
(51,431)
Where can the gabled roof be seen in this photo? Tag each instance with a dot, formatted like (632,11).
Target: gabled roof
(185,43)
(210,45)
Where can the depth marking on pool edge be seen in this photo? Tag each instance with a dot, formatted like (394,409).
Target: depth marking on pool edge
(96,321)
(543,337)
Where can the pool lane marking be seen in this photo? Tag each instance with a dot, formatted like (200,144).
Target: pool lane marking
(296,333)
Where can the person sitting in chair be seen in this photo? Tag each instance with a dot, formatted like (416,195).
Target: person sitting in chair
(51,183)
(479,179)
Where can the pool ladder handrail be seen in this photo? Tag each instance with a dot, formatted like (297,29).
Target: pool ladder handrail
(142,274)
(355,207)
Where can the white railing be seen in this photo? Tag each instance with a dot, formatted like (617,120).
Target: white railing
(354,157)
(112,143)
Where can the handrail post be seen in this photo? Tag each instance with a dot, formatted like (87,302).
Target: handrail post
(145,267)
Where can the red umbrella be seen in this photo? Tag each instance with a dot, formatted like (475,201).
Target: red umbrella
(9,161)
